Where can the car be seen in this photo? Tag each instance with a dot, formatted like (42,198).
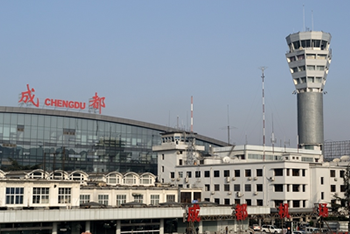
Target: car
(256,227)
(270,229)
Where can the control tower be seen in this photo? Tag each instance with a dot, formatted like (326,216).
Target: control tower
(309,57)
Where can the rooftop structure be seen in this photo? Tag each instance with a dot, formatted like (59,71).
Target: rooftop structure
(309,57)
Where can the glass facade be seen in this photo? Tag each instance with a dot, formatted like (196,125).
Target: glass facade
(54,142)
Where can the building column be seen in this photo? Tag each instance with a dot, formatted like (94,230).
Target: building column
(200,227)
(161,226)
(117,230)
(54,228)
(87,226)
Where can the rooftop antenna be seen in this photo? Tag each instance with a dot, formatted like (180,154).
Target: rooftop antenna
(303,18)
(228,126)
(312,20)
(191,113)
(263,107)
(273,140)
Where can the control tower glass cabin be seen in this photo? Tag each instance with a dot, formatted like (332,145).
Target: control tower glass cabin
(309,57)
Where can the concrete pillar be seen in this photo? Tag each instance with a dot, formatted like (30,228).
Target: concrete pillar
(200,226)
(87,226)
(54,228)
(117,230)
(161,226)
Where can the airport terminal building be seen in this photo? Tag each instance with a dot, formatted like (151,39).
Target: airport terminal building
(69,140)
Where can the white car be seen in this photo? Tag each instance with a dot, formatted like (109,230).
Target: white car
(270,229)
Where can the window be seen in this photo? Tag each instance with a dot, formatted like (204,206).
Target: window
(237,187)
(342,188)
(296,203)
(278,202)
(248,173)
(333,188)
(130,179)
(103,199)
(207,174)
(227,201)
(247,187)
(259,187)
(237,173)
(278,187)
(304,187)
(181,174)
(198,174)
(296,187)
(170,198)
(180,162)
(321,180)
(138,198)
(295,172)
(40,195)
(172,175)
(287,172)
(342,173)
(217,200)
(14,195)
(189,174)
(249,202)
(162,168)
(121,199)
(226,173)
(216,173)
(259,202)
(237,201)
(332,173)
(162,156)
(322,195)
(64,195)
(278,172)
(226,187)
(303,172)
(259,172)
(217,187)
(113,179)
(288,187)
(146,179)
(155,199)
(84,198)
(207,187)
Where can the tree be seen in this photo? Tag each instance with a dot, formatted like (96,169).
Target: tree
(341,205)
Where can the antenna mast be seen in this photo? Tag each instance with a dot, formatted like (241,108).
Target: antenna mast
(191,113)
(303,19)
(263,107)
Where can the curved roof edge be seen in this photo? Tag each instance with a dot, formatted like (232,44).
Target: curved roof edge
(73,114)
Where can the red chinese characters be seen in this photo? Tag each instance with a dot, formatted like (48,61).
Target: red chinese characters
(193,213)
(97,102)
(283,211)
(28,97)
(241,212)
(323,210)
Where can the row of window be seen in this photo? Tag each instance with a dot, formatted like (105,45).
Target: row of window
(227,201)
(308,56)
(237,173)
(308,67)
(310,79)
(311,43)
(14,195)
(216,173)
(122,198)
(236,187)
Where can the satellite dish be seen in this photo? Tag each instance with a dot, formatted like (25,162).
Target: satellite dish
(336,160)
(226,159)
(345,158)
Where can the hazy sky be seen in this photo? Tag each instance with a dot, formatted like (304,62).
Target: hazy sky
(147,58)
